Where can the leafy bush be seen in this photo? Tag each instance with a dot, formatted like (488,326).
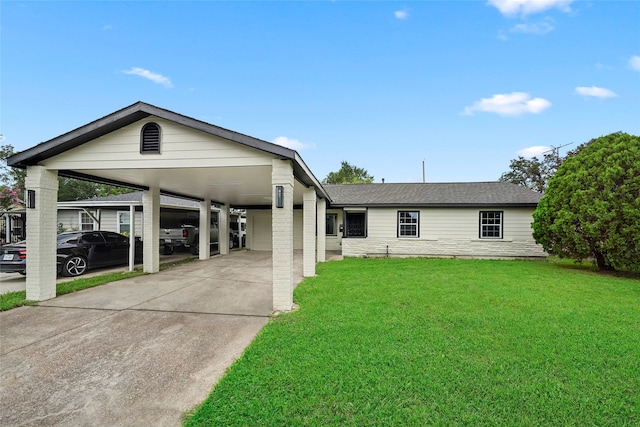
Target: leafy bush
(591,208)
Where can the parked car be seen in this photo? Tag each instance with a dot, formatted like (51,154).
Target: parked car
(77,252)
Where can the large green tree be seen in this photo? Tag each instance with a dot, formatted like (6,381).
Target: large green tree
(348,174)
(533,173)
(591,208)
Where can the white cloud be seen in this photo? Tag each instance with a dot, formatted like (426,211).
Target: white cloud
(150,75)
(528,7)
(401,14)
(634,63)
(535,151)
(539,28)
(294,144)
(598,92)
(510,104)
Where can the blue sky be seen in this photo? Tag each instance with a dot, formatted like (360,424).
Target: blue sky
(465,86)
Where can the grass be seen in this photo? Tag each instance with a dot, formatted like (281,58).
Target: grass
(387,342)
(11,300)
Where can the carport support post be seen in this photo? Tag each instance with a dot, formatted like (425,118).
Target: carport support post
(321,238)
(132,237)
(282,235)
(151,230)
(309,232)
(223,230)
(205,230)
(42,223)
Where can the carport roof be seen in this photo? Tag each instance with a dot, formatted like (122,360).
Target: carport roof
(139,111)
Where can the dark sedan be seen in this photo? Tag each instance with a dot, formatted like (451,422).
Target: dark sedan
(77,252)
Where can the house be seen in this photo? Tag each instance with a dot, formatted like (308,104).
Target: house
(160,152)
(466,219)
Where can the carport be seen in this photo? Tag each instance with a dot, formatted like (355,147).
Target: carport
(147,148)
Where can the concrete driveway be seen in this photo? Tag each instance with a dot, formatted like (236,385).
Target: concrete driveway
(139,351)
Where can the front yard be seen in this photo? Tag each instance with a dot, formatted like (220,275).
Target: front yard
(442,342)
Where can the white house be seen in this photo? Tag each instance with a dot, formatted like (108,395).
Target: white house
(157,151)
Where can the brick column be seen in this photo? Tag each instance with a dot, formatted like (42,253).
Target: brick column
(151,230)
(223,230)
(321,238)
(282,236)
(204,230)
(309,233)
(42,225)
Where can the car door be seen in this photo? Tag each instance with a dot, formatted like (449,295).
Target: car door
(118,248)
(95,248)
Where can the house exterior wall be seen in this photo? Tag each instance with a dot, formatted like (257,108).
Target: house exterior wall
(259,230)
(446,232)
(70,219)
(181,147)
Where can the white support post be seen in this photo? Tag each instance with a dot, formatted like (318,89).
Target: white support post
(321,234)
(205,230)
(282,235)
(42,224)
(132,237)
(309,233)
(151,230)
(223,230)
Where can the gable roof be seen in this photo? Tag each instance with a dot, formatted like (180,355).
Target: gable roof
(454,194)
(142,110)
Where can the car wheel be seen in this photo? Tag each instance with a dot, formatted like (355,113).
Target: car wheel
(195,246)
(231,243)
(167,250)
(74,266)
(24,273)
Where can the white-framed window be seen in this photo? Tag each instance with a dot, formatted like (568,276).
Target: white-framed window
(331,228)
(86,222)
(408,224)
(124,222)
(491,223)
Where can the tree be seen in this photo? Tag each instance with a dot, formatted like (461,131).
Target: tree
(11,177)
(591,208)
(533,173)
(348,174)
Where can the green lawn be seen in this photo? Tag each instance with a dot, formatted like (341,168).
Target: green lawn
(442,342)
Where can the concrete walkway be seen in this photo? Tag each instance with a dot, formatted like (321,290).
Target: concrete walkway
(139,351)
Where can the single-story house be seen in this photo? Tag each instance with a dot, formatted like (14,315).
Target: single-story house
(160,152)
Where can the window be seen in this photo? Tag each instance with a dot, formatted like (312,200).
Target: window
(355,224)
(331,228)
(408,224)
(86,222)
(491,224)
(124,223)
(150,139)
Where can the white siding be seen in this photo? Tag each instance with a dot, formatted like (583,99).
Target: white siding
(180,147)
(259,230)
(446,232)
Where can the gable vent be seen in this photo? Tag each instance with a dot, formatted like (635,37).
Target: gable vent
(150,139)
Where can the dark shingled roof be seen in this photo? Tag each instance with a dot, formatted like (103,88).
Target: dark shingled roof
(458,194)
(136,196)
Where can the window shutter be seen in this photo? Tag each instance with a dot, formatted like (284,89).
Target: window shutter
(150,139)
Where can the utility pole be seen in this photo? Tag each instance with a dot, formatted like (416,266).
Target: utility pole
(423,176)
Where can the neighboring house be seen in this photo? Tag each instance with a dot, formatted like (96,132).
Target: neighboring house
(477,219)
(113,213)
